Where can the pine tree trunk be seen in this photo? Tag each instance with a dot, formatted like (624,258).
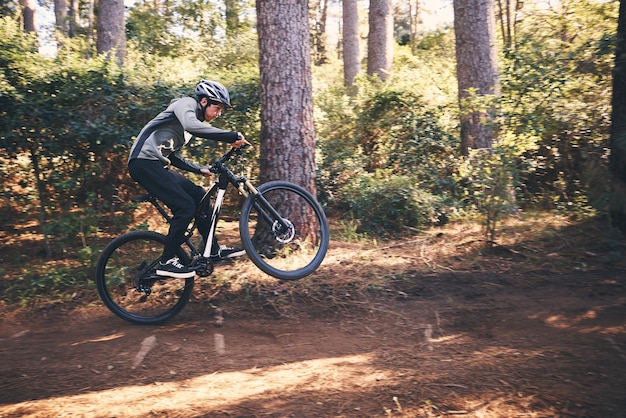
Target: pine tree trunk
(111,29)
(29,9)
(414,9)
(380,38)
(60,16)
(73,18)
(287,130)
(477,72)
(350,42)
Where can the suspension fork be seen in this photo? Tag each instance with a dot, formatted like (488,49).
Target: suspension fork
(263,206)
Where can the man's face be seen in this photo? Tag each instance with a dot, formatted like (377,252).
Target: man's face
(213,111)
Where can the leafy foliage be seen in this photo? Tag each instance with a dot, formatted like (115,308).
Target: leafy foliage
(67,122)
(74,120)
(557,89)
(489,180)
(194,29)
(386,137)
(389,204)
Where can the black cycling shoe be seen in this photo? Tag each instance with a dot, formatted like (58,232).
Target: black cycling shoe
(225,253)
(174,268)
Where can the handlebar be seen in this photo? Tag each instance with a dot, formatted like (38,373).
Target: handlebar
(216,166)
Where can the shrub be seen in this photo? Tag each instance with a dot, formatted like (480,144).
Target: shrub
(390,204)
(388,130)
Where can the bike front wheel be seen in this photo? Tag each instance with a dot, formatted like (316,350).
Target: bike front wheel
(284,230)
(127,282)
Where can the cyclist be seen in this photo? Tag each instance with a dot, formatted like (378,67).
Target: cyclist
(159,145)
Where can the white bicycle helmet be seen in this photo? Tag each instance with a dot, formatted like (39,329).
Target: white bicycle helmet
(214,91)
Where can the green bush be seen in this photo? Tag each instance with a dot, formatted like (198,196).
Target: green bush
(489,180)
(389,130)
(69,122)
(389,204)
(556,85)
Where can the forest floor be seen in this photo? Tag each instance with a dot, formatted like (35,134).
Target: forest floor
(427,326)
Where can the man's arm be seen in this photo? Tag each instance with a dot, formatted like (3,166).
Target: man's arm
(182,163)
(185,110)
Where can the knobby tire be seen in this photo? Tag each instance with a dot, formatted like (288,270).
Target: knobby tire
(287,253)
(125,262)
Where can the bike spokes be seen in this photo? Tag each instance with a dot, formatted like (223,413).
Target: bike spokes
(288,246)
(127,283)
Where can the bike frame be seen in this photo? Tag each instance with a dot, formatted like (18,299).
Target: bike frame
(224,177)
(245,188)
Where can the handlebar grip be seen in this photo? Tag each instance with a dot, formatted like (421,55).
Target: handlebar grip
(243,147)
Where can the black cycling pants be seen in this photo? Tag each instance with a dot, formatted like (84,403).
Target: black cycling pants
(177,192)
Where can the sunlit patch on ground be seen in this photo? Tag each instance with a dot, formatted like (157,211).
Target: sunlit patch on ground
(215,391)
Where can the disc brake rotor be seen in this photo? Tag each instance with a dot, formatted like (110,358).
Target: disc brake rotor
(282,234)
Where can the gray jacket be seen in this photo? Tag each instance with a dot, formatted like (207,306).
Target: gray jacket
(164,136)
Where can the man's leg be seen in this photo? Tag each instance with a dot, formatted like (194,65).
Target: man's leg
(197,193)
(166,186)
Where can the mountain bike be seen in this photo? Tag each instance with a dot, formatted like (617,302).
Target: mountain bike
(283,229)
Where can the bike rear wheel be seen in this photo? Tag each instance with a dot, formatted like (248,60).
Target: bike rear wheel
(127,283)
(284,230)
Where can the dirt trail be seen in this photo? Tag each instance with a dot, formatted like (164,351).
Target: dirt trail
(462,344)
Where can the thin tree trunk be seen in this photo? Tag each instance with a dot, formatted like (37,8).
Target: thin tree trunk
(60,16)
(414,21)
(380,38)
(477,72)
(91,28)
(502,23)
(350,42)
(41,191)
(319,33)
(29,15)
(73,18)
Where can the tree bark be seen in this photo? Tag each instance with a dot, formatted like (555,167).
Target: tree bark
(60,16)
(380,38)
(287,130)
(111,29)
(477,72)
(29,15)
(414,8)
(350,42)
(73,19)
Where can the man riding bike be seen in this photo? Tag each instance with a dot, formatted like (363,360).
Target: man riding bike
(159,146)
